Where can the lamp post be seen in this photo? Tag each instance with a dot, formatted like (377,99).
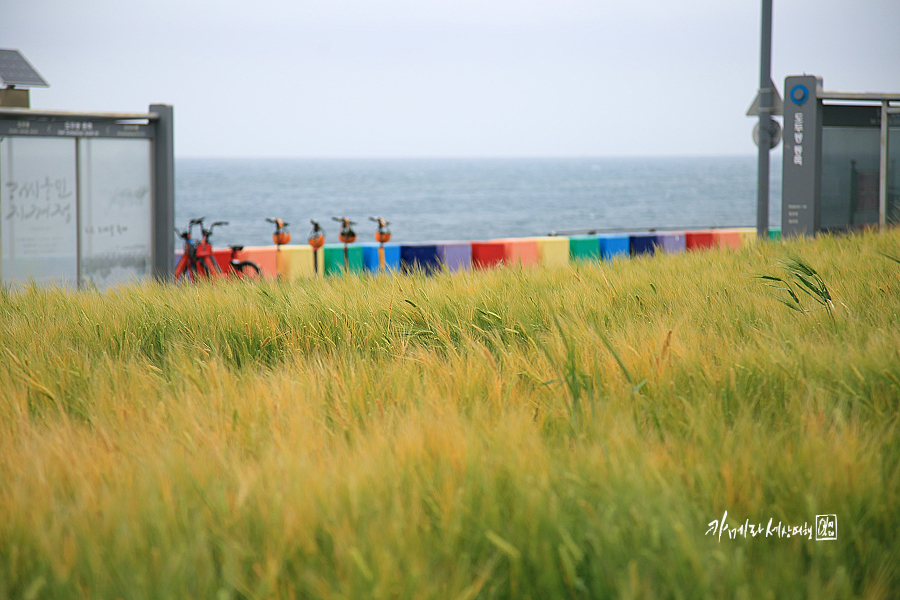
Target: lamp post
(348,236)
(316,240)
(382,235)
(280,237)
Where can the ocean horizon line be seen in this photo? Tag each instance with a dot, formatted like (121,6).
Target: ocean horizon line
(626,157)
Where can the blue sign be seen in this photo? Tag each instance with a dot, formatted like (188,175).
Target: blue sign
(799,94)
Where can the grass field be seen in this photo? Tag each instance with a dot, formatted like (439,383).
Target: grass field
(572,432)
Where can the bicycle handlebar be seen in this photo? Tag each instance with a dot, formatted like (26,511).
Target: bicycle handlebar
(208,232)
(188,233)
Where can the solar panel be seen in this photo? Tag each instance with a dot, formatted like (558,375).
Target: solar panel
(15,70)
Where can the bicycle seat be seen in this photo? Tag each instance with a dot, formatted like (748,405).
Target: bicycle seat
(236,248)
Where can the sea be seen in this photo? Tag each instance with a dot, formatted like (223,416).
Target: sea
(469,199)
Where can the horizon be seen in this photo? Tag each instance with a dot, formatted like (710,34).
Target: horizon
(748,156)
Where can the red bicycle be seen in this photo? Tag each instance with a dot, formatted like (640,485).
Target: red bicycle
(197,259)
(242,268)
(236,268)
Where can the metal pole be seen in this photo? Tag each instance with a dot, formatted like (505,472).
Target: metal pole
(765,121)
(883,167)
(163,192)
(79,198)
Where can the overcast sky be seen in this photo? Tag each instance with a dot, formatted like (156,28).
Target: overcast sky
(433,78)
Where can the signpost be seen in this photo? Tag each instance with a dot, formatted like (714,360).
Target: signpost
(765,121)
(802,157)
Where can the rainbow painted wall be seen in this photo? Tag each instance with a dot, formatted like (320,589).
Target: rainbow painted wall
(296,261)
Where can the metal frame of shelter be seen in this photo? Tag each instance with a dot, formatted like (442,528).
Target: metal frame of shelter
(884,100)
(156,126)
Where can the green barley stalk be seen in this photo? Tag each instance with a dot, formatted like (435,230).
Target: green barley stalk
(801,278)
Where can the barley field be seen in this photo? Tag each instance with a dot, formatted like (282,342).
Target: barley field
(664,426)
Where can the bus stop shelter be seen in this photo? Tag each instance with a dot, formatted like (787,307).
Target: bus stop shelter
(840,170)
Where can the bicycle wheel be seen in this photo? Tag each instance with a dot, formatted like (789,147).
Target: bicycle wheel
(246,269)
